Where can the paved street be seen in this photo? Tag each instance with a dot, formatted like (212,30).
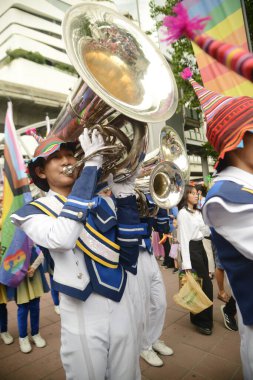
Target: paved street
(195,356)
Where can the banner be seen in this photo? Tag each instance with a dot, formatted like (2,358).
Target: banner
(15,245)
(226,25)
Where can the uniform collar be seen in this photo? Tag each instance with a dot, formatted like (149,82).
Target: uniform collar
(231,173)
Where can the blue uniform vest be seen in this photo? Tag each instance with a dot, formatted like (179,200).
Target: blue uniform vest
(238,268)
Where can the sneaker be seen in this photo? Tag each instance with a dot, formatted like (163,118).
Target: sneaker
(151,358)
(160,347)
(7,338)
(57,309)
(229,321)
(204,330)
(25,345)
(38,341)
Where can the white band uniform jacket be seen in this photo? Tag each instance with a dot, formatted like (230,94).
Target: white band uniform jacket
(110,249)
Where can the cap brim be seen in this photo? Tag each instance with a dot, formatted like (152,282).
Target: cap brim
(33,163)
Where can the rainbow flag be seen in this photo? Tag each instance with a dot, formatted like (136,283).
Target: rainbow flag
(15,245)
(226,25)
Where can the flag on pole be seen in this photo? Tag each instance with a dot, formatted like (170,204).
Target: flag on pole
(15,245)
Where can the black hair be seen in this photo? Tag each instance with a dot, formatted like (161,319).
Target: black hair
(202,188)
(184,201)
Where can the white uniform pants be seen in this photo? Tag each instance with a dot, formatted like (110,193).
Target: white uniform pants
(246,334)
(154,298)
(99,337)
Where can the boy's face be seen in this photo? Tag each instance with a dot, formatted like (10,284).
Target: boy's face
(243,157)
(53,170)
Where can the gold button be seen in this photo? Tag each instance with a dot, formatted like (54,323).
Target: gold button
(80,215)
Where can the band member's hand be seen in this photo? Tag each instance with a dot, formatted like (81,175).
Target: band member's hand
(122,189)
(30,272)
(126,188)
(91,145)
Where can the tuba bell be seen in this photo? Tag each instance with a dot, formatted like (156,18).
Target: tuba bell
(165,171)
(125,82)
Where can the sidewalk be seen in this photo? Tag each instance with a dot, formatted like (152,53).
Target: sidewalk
(196,356)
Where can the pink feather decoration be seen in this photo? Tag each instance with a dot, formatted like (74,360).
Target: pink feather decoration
(32,132)
(181,25)
(29,132)
(186,73)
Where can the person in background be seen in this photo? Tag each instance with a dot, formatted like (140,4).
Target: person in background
(162,226)
(158,249)
(228,310)
(5,335)
(175,250)
(49,268)
(191,231)
(220,277)
(202,190)
(27,296)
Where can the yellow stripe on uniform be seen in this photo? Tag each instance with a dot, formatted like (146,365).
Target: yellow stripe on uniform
(248,190)
(94,257)
(80,245)
(102,237)
(44,209)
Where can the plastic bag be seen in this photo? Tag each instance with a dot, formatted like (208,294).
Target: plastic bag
(182,278)
(191,296)
(174,250)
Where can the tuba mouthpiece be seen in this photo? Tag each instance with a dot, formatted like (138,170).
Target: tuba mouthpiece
(68,170)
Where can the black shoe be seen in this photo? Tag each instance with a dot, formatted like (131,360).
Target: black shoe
(204,330)
(229,320)
(175,270)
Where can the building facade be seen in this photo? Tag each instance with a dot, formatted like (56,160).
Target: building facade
(36,74)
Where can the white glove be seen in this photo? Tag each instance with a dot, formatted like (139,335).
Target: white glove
(126,188)
(122,189)
(91,145)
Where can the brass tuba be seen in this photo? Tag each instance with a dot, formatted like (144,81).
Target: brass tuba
(125,83)
(165,170)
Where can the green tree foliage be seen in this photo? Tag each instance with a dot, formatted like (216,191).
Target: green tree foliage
(38,58)
(30,55)
(181,55)
(208,151)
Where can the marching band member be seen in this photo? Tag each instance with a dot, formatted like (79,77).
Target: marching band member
(154,298)
(93,245)
(228,207)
